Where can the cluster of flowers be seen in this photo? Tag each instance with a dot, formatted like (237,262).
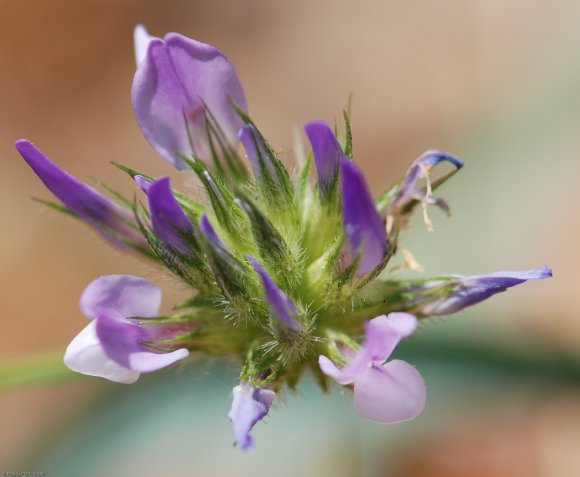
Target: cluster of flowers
(286,275)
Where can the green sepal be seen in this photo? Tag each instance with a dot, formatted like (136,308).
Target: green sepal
(227,212)
(270,244)
(236,283)
(197,301)
(55,206)
(274,187)
(347,134)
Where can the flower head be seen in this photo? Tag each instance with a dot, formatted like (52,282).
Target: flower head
(284,274)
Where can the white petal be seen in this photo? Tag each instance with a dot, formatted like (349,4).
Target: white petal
(85,355)
(141,40)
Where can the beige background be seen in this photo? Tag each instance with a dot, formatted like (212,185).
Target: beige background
(496,83)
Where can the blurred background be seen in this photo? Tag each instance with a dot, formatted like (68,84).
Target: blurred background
(496,83)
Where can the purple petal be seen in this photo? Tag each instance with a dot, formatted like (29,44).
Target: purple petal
(86,355)
(248,407)
(84,201)
(328,367)
(363,226)
(127,295)
(256,151)
(382,335)
(280,305)
(168,220)
(390,393)
(468,291)
(123,341)
(172,84)
(327,153)
(420,168)
(141,40)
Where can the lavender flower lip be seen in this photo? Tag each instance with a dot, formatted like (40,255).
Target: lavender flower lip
(286,276)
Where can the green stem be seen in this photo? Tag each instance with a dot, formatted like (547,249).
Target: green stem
(33,370)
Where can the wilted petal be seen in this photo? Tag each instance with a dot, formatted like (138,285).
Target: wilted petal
(281,307)
(327,153)
(467,291)
(390,393)
(256,151)
(363,226)
(420,169)
(123,341)
(171,85)
(169,221)
(248,407)
(107,217)
(127,295)
(86,355)
(141,40)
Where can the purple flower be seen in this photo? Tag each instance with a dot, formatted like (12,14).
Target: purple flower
(250,404)
(467,291)
(385,392)
(409,193)
(282,310)
(109,219)
(327,153)
(364,228)
(175,80)
(169,221)
(114,344)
